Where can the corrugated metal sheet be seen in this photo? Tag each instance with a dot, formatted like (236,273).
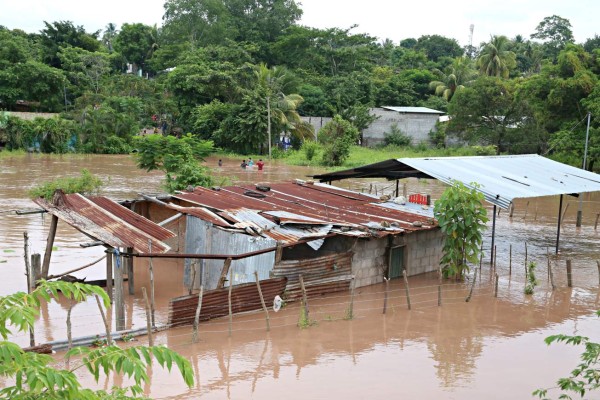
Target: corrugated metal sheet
(413,110)
(107,221)
(504,178)
(202,238)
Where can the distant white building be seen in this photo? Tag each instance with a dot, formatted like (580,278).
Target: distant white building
(414,122)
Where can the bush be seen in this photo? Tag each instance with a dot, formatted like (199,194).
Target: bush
(84,184)
(337,136)
(310,149)
(396,137)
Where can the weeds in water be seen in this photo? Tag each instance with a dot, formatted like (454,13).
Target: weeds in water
(304,322)
(127,337)
(349,314)
(531,280)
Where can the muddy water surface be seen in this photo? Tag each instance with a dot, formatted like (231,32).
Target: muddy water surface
(487,348)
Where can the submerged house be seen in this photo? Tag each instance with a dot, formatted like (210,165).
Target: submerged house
(326,234)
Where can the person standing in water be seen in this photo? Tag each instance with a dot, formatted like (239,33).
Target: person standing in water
(250,163)
(260,164)
(220,162)
(243,164)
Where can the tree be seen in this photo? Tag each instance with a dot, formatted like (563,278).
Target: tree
(136,42)
(33,376)
(337,136)
(436,46)
(462,216)
(178,158)
(585,378)
(109,35)
(457,76)
(495,59)
(556,33)
(85,69)
(64,33)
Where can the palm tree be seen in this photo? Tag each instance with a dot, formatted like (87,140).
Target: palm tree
(459,74)
(281,107)
(495,59)
(109,35)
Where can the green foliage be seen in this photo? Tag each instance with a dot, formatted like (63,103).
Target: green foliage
(461,216)
(84,184)
(531,279)
(585,378)
(32,375)
(337,136)
(178,158)
(303,321)
(395,137)
(310,149)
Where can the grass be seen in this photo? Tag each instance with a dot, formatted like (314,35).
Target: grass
(11,153)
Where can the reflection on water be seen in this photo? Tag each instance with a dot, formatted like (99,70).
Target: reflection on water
(460,350)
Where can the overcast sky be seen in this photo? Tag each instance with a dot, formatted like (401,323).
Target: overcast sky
(395,20)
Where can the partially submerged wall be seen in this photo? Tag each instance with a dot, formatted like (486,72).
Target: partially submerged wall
(422,253)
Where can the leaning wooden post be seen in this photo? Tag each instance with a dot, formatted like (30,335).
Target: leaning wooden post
(224,272)
(49,246)
(229,299)
(406,289)
(129,259)
(551,274)
(36,267)
(151,283)
(197,316)
(387,289)
(304,297)
(262,301)
(511,210)
(496,287)
(109,273)
(598,264)
(472,287)
(106,325)
(119,293)
(148,317)
(569,275)
(510,259)
(596,223)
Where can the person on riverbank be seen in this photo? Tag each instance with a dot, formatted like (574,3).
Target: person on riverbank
(260,164)
(243,164)
(250,163)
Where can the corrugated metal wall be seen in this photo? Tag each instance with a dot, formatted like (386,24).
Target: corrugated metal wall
(203,238)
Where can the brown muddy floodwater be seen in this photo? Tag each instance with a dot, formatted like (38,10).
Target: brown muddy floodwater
(488,348)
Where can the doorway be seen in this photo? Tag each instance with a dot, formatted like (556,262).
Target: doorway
(396,265)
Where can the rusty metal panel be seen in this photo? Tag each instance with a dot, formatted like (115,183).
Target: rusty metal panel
(100,224)
(215,303)
(326,274)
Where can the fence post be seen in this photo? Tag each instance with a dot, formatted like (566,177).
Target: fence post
(229,299)
(510,259)
(387,288)
(472,286)
(304,296)
(148,318)
(407,290)
(262,301)
(569,275)
(197,316)
(106,325)
(496,286)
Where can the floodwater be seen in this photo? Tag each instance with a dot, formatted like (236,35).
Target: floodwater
(491,347)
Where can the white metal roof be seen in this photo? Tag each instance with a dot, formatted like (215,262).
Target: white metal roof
(504,178)
(414,110)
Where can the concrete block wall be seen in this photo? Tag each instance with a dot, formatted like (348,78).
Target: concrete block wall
(416,126)
(423,251)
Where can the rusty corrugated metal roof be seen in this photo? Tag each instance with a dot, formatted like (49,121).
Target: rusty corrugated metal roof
(310,207)
(106,221)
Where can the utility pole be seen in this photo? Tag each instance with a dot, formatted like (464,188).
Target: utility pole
(587,135)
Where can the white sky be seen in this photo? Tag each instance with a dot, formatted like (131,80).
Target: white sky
(395,20)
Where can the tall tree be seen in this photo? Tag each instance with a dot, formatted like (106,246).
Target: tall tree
(436,46)
(495,59)
(136,43)
(109,35)
(64,33)
(555,32)
(455,78)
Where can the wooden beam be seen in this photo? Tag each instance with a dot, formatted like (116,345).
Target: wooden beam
(49,245)
(224,272)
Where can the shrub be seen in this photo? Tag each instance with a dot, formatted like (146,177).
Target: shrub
(84,184)
(396,137)
(337,136)
(310,149)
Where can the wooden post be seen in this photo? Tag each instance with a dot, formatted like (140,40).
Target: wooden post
(387,289)
(148,317)
(119,293)
(481,256)
(130,271)
(30,279)
(224,272)
(525,260)
(49,245)
(397,187)
(598,264)
(109,274)
(536,211)
(596,223)
(193,265)
(569,274)
(262,301)
(510,259)
(229,299)
(406,289)
(36,266)
(197,316)
(496,287)
(472,287)
(511,210)
(565,213)
(495,249)
(526,209)
(405,191)
(151,284)
(279,252)
(548,259)
(439,286)
(69,332)
(304,296)
(106,325)
(559,223)
(351,307)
